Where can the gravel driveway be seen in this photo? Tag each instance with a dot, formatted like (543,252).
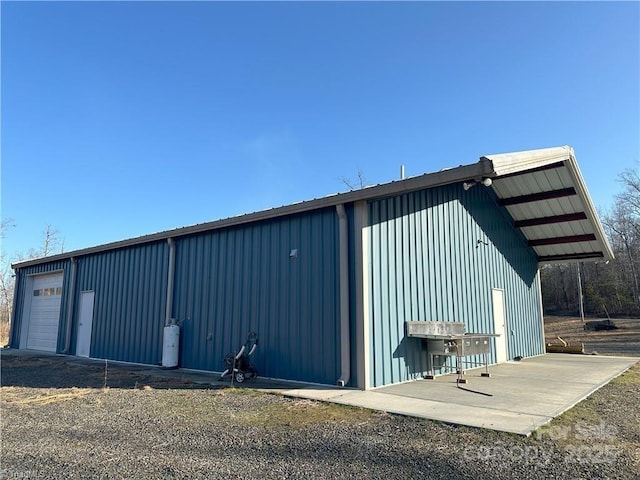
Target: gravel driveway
(59,422)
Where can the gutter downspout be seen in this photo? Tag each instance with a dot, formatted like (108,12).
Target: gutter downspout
(170,278)
(70,302)
(345,340)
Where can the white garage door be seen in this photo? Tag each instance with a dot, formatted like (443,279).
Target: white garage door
(44,317)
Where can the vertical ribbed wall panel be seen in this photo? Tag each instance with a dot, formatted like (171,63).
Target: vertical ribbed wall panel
(435,255)
(235,280)
(129,305)
(21,284)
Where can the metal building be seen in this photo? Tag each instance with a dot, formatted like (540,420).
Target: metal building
(328,284)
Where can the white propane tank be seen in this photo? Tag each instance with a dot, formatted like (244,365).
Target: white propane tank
(170,346)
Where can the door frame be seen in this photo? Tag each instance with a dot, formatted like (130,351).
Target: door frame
(500,326)
(84,340)
(27,296)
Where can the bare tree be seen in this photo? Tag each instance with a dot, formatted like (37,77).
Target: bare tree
(358,183)
(612,287)
(52,243)
(630,180)
(6,292)
(6,224)
(623,227)
(6,284)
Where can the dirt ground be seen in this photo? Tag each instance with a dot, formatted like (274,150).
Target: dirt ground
(65,418)
(62,418)
(625,341)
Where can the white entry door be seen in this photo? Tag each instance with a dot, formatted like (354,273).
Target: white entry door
(85,324)
(499,321)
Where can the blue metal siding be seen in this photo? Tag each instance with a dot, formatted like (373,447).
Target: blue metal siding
(232,281)
(20,292)
(227,282)
(427,264)
(129,306)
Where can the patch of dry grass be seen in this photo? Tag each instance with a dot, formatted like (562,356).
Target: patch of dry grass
(301,413)
(15,395)
(630,377)
(4,333)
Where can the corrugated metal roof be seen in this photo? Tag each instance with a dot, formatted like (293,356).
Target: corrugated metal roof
(544,187)
(545,194)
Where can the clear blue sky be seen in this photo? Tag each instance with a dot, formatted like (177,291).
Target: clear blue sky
(122,119)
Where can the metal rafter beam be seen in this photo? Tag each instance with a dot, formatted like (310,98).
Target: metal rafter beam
(560,240)
(532,222)
(570,256)
(535,197)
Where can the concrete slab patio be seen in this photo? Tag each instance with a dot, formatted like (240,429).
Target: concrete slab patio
(518,398)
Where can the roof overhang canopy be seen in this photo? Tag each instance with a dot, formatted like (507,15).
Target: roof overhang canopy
(545,194)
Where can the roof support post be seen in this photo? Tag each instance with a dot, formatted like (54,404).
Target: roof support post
(345,339)
(70,303)
(543,342)
(361,228)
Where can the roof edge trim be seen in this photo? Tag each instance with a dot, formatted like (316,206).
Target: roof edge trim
(592,214)
(428,180)
(517,162)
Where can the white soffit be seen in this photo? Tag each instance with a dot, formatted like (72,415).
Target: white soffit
(545,194)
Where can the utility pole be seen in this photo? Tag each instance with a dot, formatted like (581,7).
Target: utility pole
(580,298)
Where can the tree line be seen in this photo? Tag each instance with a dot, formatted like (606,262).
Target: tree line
(608,289)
